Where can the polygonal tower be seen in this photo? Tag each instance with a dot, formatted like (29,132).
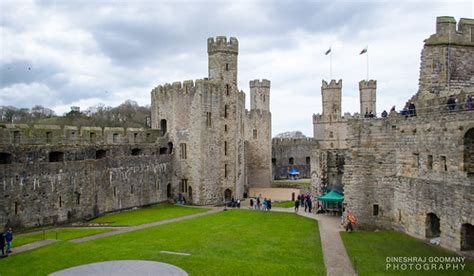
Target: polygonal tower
(260,95)
(367,93)
(332,98)
(223,59)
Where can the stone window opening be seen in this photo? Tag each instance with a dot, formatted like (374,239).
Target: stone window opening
(16,207)
(131,189)
(163,150)
(467,237)
(274,161)
(135,136)
(263,98)
(182,151)
(416,159)
(16,137)
(255,134)
(99,154)
(227,89)
(291,161)
(226,107)
(115,137)
(60,202)
(168,190)
(92,136)
(444,166)
(170,147)
(190,193)
(208,119)
(5,158)
(148,137)
(227,66)
(308,160)
(225,128)
(225,148)
(78,198)
(227,195)
(163,127)
(433,229)
(115,191)
(469,152)
(183,187)
(429,164)
(331,134)
(49,137)
(225,171)
(56,156)
(375,210)
(136,152)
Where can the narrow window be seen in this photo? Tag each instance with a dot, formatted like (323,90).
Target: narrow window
(225,170)
(148,137)
(182,151)
(92,136)
(225,111)
(254,134)
(49,136)
(274,161)
(331,134)
(375,210)
(135,136)
(78,198)
(227,66)
(56,156)
(416,159)
(115,137)
(227,89)
(16,208)
(131,189)
(183,185)
(163,127)
(291,161)
(444,166)
(429,164)
(225,147)
(208,119)
(60,202)
(308,160)
(225,128)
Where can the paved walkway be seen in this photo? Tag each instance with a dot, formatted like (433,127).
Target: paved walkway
(335,256)
(143,226)
(31,246)
(125,268)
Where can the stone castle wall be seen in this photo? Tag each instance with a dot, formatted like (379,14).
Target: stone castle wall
(53,174)
(299,149)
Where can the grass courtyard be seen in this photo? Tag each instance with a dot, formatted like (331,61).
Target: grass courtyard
(368,252)
(232,242)
(284,204)
(147,215)
(288,183)
(63,234)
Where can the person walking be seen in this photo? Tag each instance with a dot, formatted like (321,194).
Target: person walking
(251,203)
(9,239)
(310,204)
(297,205)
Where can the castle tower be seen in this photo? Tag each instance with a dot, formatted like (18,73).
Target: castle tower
(367,94)
(260,95)
(332,97)
(223,59)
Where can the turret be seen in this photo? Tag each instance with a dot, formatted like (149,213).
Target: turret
(332,94)
(446,32)
(260,95)
(367,93)
(223,59)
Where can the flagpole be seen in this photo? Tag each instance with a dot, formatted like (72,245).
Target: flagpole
(367,53)
(330,65)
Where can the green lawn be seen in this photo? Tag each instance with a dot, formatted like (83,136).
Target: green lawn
(233,242)
(62,234)
(148,214)
(368,252)
(284,204)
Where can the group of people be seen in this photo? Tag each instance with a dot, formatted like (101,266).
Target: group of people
(259,204)
(451,103)
(234,203)
(6,239)
(304,200)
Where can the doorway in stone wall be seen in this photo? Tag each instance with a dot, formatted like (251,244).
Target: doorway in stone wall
(469,152)
(433,229)
(190,194)
(227,195)
(467,237)
(168,190)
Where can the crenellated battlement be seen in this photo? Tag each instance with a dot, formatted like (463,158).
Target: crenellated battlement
(183,87)
(220,44)
(371,84)
(16,134)
(332,84)
(293,141)
(259,83)
(446,32)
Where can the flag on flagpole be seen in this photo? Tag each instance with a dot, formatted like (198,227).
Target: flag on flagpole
(328,51)
(363,51)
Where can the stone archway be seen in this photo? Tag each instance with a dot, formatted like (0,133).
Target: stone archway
(433,228)
(469,152)
(467,237)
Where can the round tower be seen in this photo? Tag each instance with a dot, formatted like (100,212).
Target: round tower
(367,92)
(332,98)
(223,59)
(260,95)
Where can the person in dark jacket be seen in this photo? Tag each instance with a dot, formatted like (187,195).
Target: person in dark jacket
(9,238)
(2,243)
(297,205)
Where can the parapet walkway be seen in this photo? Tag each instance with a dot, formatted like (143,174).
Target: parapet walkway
(336,259)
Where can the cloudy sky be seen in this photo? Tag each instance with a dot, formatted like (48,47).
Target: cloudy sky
(82,53)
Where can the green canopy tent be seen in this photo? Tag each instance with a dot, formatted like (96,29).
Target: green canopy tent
(332,201)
